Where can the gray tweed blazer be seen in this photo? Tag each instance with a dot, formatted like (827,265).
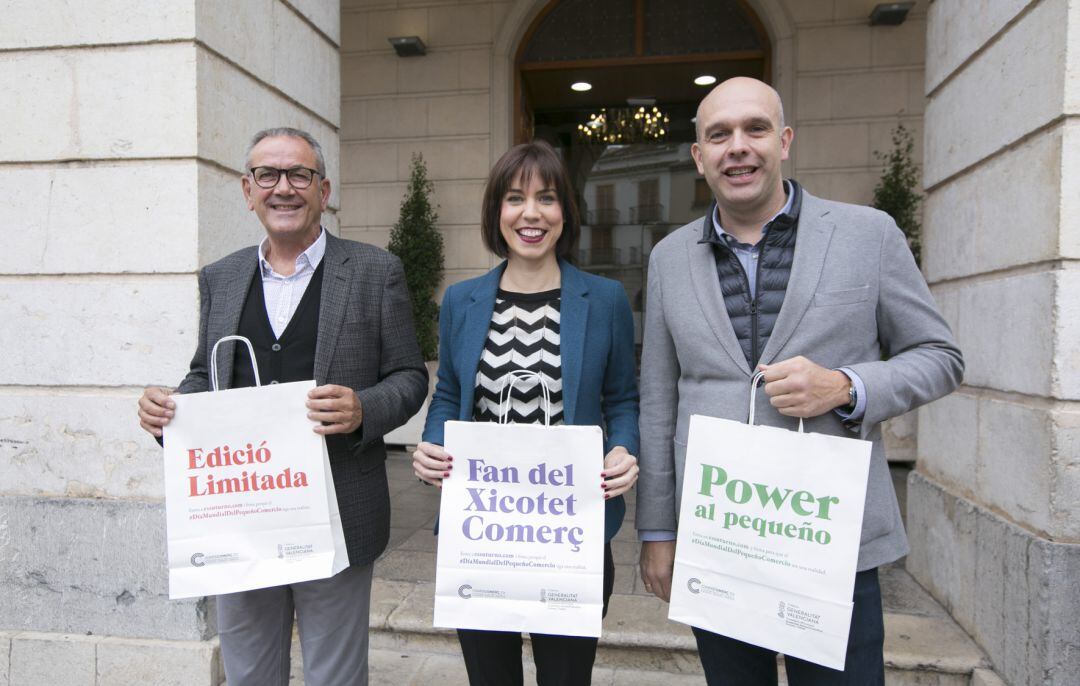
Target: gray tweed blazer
(855,298)
(365,341)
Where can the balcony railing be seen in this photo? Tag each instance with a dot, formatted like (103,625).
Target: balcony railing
(596,257)
(644,214)
(610,257)
(606,216)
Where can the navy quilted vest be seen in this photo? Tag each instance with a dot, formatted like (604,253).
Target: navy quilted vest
(753,315)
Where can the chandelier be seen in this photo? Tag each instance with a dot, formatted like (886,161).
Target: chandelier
(620,125)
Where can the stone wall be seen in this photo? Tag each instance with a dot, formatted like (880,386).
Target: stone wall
(125,124)
(438,105)
(995,498)
(853,84)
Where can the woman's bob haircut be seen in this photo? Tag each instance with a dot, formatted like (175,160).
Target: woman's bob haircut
(525,160)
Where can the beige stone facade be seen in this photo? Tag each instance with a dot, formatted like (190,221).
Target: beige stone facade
(996,500)
(439,105)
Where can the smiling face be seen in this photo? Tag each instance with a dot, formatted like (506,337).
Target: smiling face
(288,214)
(531,219)
(740,146)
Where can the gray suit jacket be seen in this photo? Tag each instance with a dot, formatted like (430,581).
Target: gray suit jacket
(365,341)
(855,298)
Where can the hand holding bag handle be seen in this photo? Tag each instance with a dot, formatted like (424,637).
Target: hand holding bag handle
(510,380)
(213,360)
(753,392)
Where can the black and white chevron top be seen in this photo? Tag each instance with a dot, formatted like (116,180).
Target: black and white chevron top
(524,334)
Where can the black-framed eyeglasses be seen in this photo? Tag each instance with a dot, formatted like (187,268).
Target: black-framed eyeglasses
(268,177)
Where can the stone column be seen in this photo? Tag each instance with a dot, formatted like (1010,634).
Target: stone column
(123,126)
(994,507)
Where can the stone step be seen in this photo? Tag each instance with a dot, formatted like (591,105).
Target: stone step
(639,643)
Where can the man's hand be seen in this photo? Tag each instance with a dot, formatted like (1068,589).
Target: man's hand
(431,463)
(155,410)
(800,388)
(620,472)
(657,563)
(336,407)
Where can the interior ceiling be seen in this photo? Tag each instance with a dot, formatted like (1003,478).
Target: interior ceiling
(669,83)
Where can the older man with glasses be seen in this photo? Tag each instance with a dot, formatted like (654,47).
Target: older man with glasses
(313,306)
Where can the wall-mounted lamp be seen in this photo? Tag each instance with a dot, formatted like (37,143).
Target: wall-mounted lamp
(890,13)
(408,46)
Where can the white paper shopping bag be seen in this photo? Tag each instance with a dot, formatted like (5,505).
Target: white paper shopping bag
(768,538)
(249,495)
(521,529)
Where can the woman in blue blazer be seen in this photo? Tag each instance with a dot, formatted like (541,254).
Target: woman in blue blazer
(536,311)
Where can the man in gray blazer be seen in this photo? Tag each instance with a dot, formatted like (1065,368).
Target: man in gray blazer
(314,307)
(824,297)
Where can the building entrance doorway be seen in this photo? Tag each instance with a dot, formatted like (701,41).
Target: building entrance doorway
(614,86)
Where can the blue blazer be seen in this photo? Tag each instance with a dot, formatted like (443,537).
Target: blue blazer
(597,348)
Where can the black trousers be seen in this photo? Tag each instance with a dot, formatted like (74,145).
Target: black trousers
(728,662)
(493,658)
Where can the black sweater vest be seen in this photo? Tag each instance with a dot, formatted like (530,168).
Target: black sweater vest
(285,359)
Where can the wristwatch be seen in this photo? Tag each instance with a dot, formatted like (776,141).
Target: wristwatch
(852,398)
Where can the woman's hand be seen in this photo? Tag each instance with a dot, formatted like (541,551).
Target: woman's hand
(431,464)
(620,472)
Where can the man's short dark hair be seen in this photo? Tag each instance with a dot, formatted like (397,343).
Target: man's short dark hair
(527,159)
(320,162)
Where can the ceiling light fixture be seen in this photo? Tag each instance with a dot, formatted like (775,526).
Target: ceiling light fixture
(890,13)
(581,86)
(705,80)
(408,46)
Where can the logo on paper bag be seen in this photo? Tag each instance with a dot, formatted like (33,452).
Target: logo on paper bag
(467,592)
(798,618)
(694,585)
(295,551)
(553,597)
(201,559)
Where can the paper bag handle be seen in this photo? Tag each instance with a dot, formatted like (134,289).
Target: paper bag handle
(753,392)
(213,360)
(510,380)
